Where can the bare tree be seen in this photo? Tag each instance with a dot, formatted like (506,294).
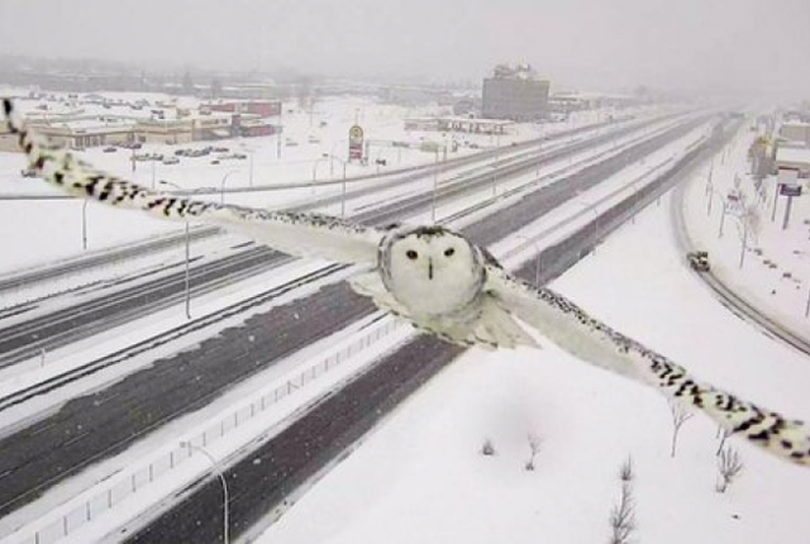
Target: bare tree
(623,515)
(680,415)
(534,449)
(722,434)
(729,465)
(626,473)
(487,448)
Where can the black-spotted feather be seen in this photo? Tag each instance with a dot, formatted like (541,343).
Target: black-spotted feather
(584,336)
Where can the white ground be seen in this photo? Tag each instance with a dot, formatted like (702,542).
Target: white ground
(420,476)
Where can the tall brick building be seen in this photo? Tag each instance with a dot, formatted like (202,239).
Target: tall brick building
(515,93)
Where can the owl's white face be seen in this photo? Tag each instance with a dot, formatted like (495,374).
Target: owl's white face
(433,271)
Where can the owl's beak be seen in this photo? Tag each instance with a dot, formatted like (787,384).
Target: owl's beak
(430,269)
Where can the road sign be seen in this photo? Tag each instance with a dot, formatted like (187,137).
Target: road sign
(790,190)
(356,143)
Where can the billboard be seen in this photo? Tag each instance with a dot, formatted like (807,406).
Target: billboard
(790,190)
(787,176)
(356,143)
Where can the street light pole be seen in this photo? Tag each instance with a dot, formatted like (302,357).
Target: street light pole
(191,447)
(744,241)
(595,222)
(435,187)
(188,275)
(188,259)
(710,189)
(222,187)
(343,193)
(495,167)
(84,224)
(722,219)
(536,259)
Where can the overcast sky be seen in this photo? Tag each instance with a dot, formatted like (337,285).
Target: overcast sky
(601,44)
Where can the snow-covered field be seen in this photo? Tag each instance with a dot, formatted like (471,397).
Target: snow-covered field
(420,477)
(775,269)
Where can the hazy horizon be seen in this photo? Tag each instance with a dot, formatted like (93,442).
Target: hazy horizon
(744,47)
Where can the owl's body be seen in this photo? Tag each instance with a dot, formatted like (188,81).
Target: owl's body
(436,279)
(439,281)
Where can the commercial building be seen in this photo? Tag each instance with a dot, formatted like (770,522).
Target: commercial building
(460,124)
(77,128)
(795,131)
(263,108)
(515,93)
(164,131)
(796,158)
(79,131)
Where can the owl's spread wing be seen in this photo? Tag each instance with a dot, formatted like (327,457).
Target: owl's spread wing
(572,329)
(299,234)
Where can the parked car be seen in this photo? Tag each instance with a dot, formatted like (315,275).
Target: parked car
(171,160)
(110,149)
(699,260)
(28,173)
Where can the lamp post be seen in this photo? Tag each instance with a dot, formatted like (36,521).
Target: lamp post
(435,187)
(536,258)
(495,166)
(315,167)
(222,186)
(342,185)
(743,224)
(188,254)
(723,213)
(192,447)
(709,191)
(84,224)
(587,205)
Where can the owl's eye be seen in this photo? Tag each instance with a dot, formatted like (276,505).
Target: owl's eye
(449,252)
(411,254)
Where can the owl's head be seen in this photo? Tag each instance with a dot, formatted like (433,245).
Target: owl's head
(431,270)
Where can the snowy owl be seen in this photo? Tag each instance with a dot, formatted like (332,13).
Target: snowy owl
(439,281)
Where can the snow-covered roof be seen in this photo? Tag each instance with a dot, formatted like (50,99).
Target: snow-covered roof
(795,124)
(793,154)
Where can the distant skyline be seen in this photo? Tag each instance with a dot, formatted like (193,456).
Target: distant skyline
(743,46)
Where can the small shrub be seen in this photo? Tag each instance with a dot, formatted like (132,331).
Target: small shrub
(623,515)
(680,415)
(626,473)
(729,465)
(534,449)
(487,448)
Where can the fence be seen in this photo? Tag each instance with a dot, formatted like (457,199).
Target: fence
(129,482)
